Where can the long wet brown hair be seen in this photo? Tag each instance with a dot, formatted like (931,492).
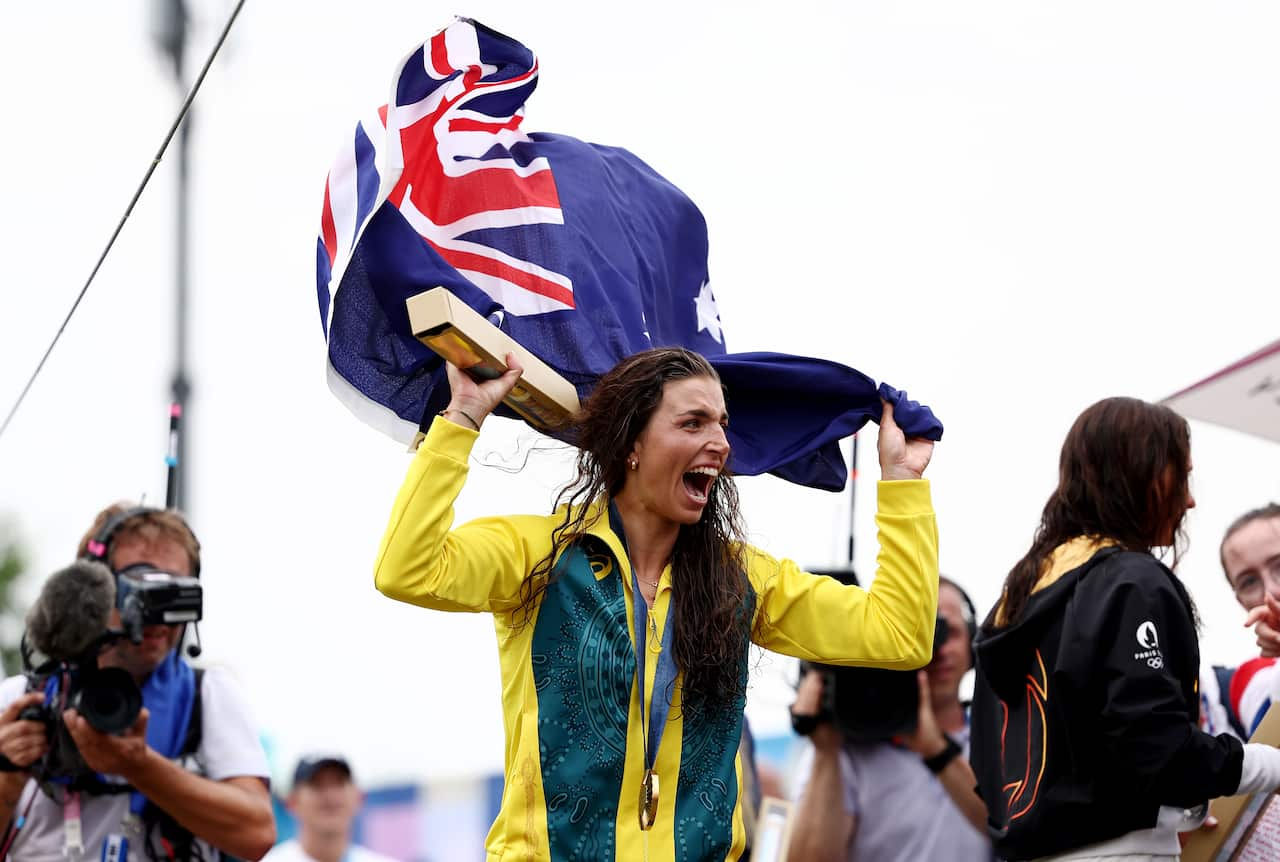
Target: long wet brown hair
(1122,476)
(710,592)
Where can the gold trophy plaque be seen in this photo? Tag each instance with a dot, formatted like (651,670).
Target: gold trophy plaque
(460,335)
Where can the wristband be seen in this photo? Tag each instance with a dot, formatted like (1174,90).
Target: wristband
(939,761)
(465,415)
(803,724)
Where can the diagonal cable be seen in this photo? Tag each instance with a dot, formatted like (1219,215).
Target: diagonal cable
(155,162)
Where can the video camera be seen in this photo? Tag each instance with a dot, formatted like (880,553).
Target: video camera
(147,596)
(871,704)
(108,698)
(68,629)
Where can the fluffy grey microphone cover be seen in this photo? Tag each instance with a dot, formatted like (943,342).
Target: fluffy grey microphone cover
(73,609)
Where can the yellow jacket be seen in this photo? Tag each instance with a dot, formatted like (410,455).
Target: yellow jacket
(574,752)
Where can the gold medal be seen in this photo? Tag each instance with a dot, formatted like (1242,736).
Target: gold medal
(648,800)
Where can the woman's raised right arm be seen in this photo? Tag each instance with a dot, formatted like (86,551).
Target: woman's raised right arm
(476,567)
(479,566)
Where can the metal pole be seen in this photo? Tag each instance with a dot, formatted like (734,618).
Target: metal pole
(181,384)
(170,31)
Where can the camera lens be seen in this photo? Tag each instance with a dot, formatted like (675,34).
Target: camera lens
(109,700)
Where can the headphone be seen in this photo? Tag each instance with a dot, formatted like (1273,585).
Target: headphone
(98,550)
(969,612)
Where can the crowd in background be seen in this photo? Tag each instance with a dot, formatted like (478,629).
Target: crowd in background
(1094,733)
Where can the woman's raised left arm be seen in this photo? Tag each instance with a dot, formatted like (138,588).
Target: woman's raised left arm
(889,625)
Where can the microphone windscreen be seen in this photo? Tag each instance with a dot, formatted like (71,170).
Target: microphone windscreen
(72,611)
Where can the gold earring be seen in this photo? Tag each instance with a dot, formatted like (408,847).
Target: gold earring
(633,463)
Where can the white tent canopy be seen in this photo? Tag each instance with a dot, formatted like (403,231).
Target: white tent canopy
(1245,395)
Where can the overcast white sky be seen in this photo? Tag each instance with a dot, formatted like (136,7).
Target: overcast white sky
(1009,209)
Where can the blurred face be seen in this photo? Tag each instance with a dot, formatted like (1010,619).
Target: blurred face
(157,641)
(327,803)
(952,661)
(681,452)
(1251,559)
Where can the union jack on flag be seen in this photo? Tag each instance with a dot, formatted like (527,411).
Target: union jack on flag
(470,169)
(580,252)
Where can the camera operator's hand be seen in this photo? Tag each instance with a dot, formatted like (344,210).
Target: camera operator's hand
(23,742)
(928,740)
(105,752)
(825,735)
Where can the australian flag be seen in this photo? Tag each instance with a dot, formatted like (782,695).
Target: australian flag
(580,252)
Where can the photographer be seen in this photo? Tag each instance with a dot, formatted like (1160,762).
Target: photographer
(189,777)
(903,800)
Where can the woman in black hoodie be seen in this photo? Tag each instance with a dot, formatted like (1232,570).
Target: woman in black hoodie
(1085,737)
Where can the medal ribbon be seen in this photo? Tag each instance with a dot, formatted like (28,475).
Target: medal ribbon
(665,674)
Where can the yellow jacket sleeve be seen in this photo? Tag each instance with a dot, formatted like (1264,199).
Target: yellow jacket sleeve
(477,567)
(814,617)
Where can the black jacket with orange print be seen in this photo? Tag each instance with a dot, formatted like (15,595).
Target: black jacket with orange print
(1085,710)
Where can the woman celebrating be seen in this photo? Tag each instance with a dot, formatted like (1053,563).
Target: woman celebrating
(1085,737)
(624,618)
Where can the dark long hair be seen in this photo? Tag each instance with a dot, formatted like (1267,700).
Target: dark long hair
(712,617)
(1122,476)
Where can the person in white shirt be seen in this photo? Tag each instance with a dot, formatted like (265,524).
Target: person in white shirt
(172,786)
(325,801)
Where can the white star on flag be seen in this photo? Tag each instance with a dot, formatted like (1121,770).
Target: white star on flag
(708,317)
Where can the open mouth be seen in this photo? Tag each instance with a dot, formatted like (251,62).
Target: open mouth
(698,482)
